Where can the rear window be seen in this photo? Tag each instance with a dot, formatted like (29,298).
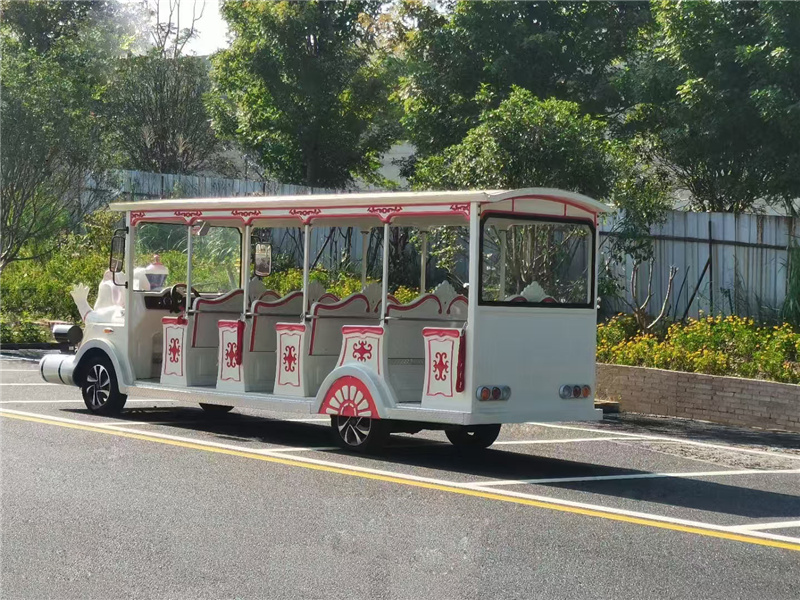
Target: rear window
(536,262)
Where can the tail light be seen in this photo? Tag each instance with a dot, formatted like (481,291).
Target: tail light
(495,392)
(566,392)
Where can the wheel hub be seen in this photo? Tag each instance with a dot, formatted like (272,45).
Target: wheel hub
(99,386)
(354,430)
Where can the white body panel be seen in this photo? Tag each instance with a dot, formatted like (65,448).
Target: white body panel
(425,368)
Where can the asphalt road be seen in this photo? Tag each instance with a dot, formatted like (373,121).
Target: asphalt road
(167,502)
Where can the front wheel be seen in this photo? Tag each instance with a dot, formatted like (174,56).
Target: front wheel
(99,388)
(474,436)
(359,434)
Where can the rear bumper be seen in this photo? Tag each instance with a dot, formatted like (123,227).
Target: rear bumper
(58,368)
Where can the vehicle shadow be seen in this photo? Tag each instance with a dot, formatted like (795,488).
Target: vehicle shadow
(439,459)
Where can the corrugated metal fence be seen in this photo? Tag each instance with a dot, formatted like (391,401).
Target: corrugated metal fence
(745,275)
(140,184)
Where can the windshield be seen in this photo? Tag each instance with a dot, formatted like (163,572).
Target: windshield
(161,255)
(536,262)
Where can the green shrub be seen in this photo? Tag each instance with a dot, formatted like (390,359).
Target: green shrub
(23,330)
(713,345)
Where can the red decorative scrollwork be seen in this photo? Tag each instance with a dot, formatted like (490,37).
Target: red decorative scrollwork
(136,216)
(174,350)
(304,212)
(362,351)
(384,210)
(231,355)
(188,215)
(246,215)
(289,360)
(440,366)
(459,208)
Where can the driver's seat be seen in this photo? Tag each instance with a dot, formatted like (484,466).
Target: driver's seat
(190,342)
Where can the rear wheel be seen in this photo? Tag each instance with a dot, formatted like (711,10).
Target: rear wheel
(99,388)
(474,436)
(215,408)
(359,434)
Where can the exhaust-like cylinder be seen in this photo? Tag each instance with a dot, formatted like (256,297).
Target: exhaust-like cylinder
(57,368)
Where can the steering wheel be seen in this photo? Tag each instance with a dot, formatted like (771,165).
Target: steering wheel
(177,297)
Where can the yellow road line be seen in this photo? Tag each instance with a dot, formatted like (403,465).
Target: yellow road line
(398,479)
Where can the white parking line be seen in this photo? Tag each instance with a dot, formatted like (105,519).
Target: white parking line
(30,384)
(408,477)
(634,476)
(671,439)
(558,441)
(773,525)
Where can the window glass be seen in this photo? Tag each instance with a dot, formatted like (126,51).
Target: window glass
(216,263)
(546,262)
(160,256)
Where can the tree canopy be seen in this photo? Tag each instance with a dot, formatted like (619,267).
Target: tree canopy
(528,142)
(305,87)
(716,86)
(564,50)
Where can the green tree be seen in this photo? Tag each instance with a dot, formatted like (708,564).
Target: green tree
(527,142)
(160,119)
(305,87)
(717,87)
(566,50)
(54,68)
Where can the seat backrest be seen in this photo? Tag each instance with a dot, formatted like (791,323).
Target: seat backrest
(405,324)
(208,311)
(266,314)
(328,298)
(457,310)
(327,321)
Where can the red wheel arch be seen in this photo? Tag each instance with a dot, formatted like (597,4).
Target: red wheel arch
(349,397)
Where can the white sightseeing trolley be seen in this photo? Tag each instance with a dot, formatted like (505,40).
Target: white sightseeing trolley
(512,340)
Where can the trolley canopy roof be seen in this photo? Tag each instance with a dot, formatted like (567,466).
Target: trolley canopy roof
(361,209)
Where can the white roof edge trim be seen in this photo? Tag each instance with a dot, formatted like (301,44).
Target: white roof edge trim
(310,200)
(585,202)
(362,199)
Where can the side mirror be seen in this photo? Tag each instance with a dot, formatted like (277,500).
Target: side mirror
(116,262)
(263,262)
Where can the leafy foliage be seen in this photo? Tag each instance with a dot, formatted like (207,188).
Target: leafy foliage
(713,345)
(305,88)
(528,142)
(160,122)
(563,50)
(56,56)
(715,86)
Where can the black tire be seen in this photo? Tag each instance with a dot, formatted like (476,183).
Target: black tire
(216,408)
(360,434)
(474,436)
(99,387)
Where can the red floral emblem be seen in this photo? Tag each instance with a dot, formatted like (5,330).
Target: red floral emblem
(440,367)
(174,350)
(231,358)
(289,359)
(362,351)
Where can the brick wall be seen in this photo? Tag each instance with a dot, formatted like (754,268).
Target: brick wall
(726,400)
